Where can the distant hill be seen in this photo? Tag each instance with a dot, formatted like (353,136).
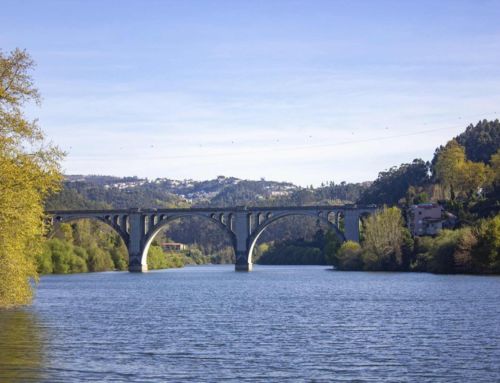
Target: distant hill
(405,184)
(95,191)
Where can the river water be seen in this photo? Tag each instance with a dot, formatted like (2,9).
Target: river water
(281,323)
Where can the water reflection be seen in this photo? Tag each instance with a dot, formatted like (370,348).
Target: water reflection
(21,346)
(283,324)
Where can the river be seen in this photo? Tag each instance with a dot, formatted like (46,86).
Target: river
(281,323)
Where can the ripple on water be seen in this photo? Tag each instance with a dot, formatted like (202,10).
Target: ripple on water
(209,324)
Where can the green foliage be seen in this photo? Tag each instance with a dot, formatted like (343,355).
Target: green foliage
(89,195)
(29,172)
(69,198)
(99,259)
(292,254)
(418,198)
(481,141)
(476,186)
(44,261)
(331,247)
(320,250)
(61,257)
(462,177)
(259,250)
(465,250)
(487,249)
(392,185)
(223,256)
(384,237)
(441,257)
(495,167)
(200,233)
(350,256)
(157,259)
(83,246)
(195,256)
(421,258)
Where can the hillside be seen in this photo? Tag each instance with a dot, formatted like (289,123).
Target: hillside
(94,191)
(474,195)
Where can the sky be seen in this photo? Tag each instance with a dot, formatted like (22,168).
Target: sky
(302,91)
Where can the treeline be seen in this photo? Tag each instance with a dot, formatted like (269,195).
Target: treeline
(320,250)
(160,259)
(82,246)
(463,176)
(388,246)
(87,246)
(77,194)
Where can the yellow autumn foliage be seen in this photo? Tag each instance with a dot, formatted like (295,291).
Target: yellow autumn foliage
(29,171)
(461,176)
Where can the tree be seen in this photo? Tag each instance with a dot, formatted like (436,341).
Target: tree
(487,250)
(481,141)
(495,168)
(393,184)
(457,174)
(349,256)
(448,167)
(29,172)
(331,248)
(384,239)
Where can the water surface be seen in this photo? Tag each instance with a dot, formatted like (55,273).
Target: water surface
(286,323)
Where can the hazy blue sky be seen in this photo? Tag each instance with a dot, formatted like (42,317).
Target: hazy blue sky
(303,91)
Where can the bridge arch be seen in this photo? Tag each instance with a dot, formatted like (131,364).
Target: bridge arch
(57,220)
(261,227)
(137,227)
(218,219)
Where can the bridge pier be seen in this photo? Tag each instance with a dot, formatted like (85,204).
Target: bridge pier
(137,262)
(241,229)
(137,227)
(243,266)
(351,226)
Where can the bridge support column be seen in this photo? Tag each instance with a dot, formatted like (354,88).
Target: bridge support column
(136,259)
(241,250)
(351,226)
(242,263)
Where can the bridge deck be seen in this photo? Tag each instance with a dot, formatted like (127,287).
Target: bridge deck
(214,209)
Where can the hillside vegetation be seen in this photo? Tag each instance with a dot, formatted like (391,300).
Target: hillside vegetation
(462,178)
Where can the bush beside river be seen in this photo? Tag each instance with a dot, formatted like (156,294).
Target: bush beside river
(85,246)
(465,250)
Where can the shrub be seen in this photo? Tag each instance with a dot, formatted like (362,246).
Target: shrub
(487,249)
(350,256)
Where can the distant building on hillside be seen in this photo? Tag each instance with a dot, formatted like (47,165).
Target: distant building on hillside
(173,246)
(425,219)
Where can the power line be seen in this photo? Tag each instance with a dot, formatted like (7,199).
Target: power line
(279,149)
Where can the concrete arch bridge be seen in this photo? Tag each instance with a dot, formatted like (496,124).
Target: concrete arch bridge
(244,225)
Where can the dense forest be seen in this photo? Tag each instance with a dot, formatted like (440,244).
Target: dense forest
(462,176)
